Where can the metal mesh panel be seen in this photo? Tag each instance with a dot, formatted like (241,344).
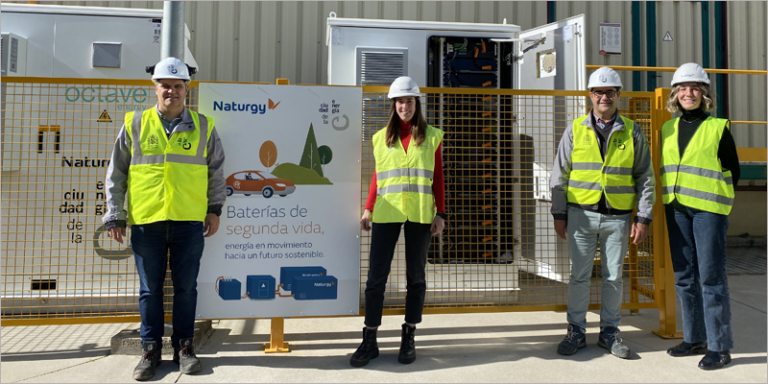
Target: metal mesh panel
(58,261)
(499,248)
(498,251)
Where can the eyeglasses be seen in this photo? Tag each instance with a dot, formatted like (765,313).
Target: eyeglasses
(600,94)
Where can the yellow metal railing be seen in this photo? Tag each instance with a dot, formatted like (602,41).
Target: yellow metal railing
(498,252)
(672,69)
(747,154)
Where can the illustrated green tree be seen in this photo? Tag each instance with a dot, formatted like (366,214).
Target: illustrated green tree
(310,158)
(268,154)
(326,155)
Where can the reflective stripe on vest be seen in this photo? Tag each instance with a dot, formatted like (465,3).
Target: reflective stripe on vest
(698,179)
(167,178)
(591,176)
(404,180)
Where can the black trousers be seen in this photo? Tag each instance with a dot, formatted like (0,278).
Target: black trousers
(383,240)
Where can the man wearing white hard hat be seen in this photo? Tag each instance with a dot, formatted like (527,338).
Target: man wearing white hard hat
(602,171)
(699,167)
(169,163)
(407,192)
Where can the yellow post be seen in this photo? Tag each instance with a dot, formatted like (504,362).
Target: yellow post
(634,292)
(663,275)
(277,331)
(276,342)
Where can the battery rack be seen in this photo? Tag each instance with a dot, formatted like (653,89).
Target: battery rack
(473,159)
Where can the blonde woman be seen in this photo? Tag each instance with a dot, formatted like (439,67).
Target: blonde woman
(699,168)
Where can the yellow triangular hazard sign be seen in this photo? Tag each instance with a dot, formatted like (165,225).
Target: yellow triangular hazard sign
(104,117)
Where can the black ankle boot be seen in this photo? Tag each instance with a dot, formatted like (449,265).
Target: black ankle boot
(368,350)
(407,346)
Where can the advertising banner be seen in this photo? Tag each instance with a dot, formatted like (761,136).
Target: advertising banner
(288,241)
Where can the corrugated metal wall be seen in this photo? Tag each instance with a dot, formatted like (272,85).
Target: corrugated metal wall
(265,40)
(747,40)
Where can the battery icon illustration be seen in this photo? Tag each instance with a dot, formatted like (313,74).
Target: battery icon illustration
(229,288)
(288,273)
(314,287)
(260,287)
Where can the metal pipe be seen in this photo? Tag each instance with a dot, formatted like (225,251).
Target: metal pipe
(726,86)
(173,30)
(650,55)
(637,80)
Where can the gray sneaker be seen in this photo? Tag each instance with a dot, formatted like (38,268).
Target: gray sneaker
(150,359)
(185,356)
(574,340)
(610,340)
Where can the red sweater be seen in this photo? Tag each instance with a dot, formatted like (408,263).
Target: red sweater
(438,184)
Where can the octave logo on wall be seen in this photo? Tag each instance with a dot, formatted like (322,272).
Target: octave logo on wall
(288,241)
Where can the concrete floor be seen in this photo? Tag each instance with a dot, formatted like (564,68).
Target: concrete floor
(497,347)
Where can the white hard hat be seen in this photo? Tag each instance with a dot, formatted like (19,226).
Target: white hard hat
(690,72)
(604,77)
(403,86)
(170,68)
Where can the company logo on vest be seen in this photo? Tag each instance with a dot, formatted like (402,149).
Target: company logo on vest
(232,106)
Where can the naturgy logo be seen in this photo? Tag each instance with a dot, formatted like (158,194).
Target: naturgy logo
(244,107)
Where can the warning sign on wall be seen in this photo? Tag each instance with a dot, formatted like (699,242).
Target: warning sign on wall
(104,117)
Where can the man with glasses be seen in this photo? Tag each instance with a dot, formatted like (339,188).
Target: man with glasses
(602,171)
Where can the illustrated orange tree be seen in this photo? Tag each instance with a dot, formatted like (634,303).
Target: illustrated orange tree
(268,154)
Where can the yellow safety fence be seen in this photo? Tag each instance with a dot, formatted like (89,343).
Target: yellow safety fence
(746,154)
(498,252)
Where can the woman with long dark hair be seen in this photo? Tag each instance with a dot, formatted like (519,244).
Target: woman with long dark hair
(407,192)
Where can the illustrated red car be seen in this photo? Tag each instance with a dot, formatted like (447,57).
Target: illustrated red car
(251,182)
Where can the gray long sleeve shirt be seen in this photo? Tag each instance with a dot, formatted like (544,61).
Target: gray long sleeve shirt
(642,170)
(116,183)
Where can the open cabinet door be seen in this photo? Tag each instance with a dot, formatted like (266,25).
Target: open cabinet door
(550,57)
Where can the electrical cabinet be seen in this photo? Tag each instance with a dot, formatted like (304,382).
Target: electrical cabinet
(476,153)
(496,145)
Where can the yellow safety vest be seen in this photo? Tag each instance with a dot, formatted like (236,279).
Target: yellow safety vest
(698,180)
(404,180)
(167,179)
(591,176)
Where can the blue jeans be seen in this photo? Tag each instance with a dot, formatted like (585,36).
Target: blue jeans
(585,229)
(697,244)
(151,243)
(383,240)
